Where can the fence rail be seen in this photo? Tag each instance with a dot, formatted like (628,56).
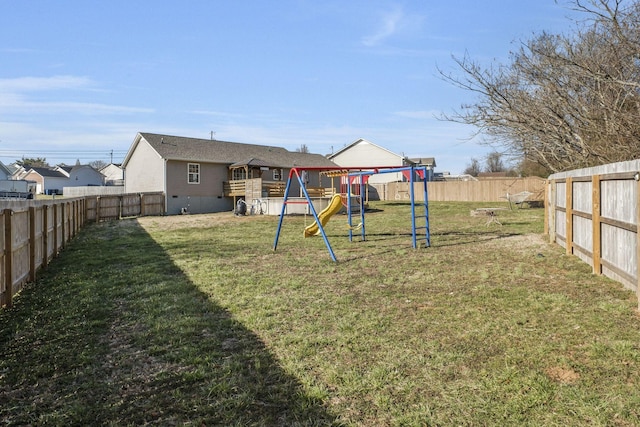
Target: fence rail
(35,231)
(594,214)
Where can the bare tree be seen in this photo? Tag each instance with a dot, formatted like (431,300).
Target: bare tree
(302,149)
(494,163)
(97,164)
(564,101)
(473,168)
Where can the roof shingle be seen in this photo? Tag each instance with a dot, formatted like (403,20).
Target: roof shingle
(205,150)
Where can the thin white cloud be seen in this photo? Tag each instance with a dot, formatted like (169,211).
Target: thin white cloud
(222,114)
(16,50)
(16,104)
(34,84)
(422,115)
(387,28)
(16,96)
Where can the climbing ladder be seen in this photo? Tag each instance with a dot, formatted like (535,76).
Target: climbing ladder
(419,211)
(420,217)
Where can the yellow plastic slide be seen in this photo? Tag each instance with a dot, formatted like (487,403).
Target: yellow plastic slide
(334,207)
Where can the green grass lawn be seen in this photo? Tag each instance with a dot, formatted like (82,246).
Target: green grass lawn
(196,320)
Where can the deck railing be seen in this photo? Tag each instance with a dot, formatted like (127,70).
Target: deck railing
(254,188)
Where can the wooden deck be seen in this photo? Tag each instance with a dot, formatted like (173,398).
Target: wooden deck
(258,189)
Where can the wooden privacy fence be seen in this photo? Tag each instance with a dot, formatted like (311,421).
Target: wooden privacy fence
(32,236)
(490,190)
(110,207)
(35,231)
(594,214)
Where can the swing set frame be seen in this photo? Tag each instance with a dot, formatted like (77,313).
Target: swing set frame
(296,173)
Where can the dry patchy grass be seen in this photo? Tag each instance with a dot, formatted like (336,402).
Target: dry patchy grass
(195,320)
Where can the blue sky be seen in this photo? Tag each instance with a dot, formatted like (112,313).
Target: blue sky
(79,79)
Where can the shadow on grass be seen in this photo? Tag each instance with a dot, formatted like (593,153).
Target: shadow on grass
(113,333)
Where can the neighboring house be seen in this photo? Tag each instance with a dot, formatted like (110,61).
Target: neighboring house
(363,153)
(52,180)
(81,175)
(113,174)
(429,162)
(17,171)
(202,175)
(5,172)
(48,180)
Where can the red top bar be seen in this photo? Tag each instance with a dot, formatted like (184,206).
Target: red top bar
(338,168)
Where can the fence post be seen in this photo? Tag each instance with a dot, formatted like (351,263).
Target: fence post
(63,207)
(595,224)
(569,214)
(8,257)
(547,190)
(45,235)
(55,230)
(638,238)
(83,211)
(32,243)
(553,206)
(141,204)
(97,209)
(74,215)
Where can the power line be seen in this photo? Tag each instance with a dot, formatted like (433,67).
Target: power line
(55,156)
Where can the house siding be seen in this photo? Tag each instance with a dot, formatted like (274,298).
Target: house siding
(207,196)
(145,170)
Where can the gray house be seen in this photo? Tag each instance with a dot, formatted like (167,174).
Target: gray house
(203,175)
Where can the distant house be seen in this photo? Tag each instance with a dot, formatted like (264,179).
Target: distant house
(48,180)
(363,153)
(5,172)
(428,162)
(52,180)
(17,171)
(81,175)
(202,175)
(113,174)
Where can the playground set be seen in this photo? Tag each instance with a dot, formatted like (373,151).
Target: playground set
(340,200)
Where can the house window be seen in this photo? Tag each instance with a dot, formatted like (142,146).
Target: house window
(277,174)
(194,173)
(239,173)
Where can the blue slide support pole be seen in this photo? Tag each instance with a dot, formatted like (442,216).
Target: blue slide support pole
(284,206)
(362,229)
(315,215)
(312,208)
(426,212)
(413,208)
(349,218)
